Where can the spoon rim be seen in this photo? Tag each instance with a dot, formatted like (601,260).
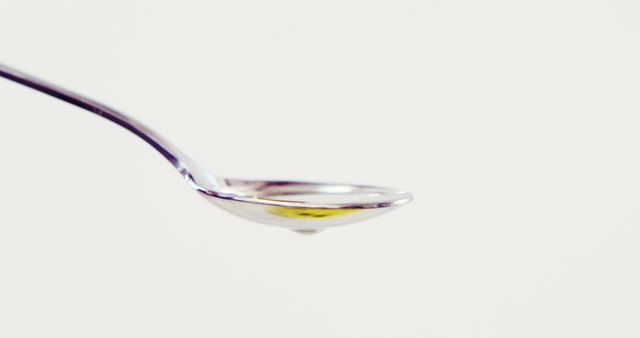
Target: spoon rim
(229,193)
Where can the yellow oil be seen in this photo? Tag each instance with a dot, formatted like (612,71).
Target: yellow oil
(307,213)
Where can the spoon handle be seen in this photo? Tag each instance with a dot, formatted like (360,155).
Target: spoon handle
(165,148)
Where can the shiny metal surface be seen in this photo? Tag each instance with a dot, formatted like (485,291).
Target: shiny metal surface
(305,207)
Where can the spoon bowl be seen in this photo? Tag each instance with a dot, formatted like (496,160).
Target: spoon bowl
(305,207)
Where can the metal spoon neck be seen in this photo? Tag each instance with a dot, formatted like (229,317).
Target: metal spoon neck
(180,161)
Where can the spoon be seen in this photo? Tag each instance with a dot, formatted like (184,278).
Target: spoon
(305,207)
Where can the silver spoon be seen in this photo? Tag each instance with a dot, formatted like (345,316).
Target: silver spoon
(305,207)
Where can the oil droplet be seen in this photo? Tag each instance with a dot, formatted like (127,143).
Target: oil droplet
(307,213)
(308,232)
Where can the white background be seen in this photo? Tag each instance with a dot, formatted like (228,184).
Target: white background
(514,123)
